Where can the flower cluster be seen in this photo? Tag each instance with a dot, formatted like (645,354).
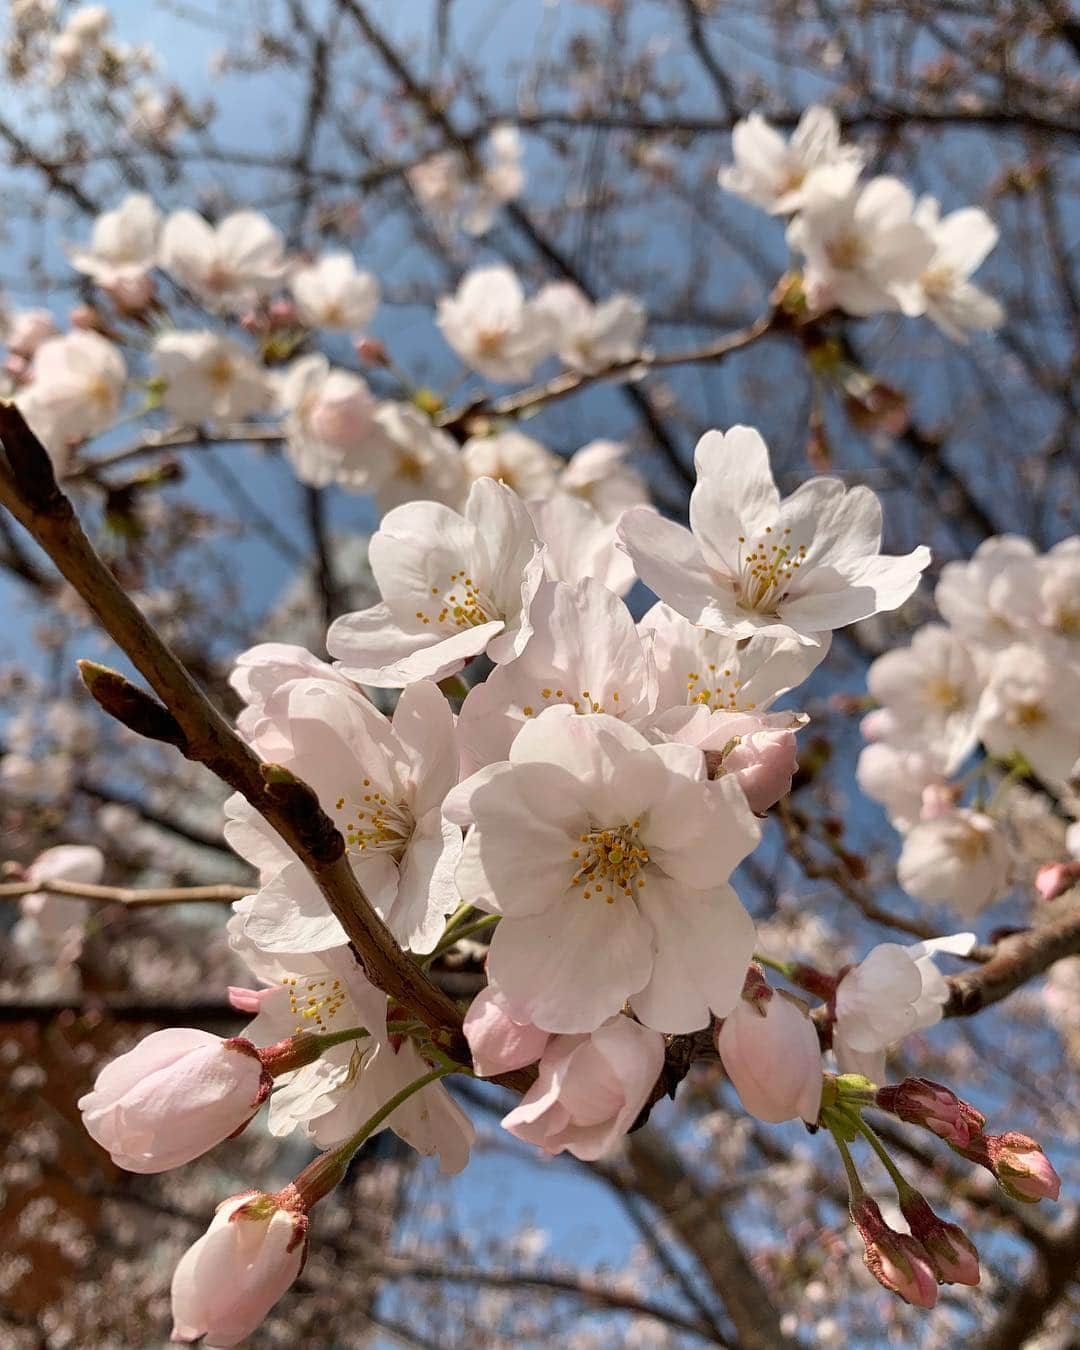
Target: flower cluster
(1001,677)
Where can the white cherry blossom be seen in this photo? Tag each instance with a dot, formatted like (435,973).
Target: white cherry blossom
(1041,596)
(331,430)
(958,858)
(512,458)
(227,266)
(864,250)
(1031,707)
(452,587)
(422,462)
(76,390)
(608,863)
(493,328)
(580,543)
(752,563)
(591,335)
(599,474)
(52,926)
(209,378)
(899,778)
(771,172)
(970,598)
(333,293)
(962,240)
(123,244)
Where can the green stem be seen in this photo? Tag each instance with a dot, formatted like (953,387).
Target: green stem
(785,968)
(477,926)
(332,1038)
(855,1186)
(867,1132)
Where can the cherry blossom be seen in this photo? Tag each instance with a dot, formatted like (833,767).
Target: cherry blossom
(333,293)
(609,865)
(756,750)
(497,1042)
(589,1090)
(579,544)
(961,241)
(1041,596)
(864,250)
(1031,707)
(422,463)
(229,1279)
(493,328)
(452,586)
(331,431)
(512,458)
(770,1051)
(900,778)
(753,563)
(209,378)
(446,184)
(76,389)
(590,336)
(772,173)
(959,858)
(970,599)
(123,244)
(227,266)
(599,474)
(53,925)
(27,330)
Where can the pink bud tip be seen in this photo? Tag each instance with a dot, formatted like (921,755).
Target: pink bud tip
(897,1261)
(371,351)
(1022,1169)
(1054,879)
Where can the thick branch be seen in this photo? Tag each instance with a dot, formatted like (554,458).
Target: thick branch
(1017,959)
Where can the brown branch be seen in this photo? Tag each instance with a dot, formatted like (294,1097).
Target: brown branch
(1037,1293)
(133,897)
(1016,959)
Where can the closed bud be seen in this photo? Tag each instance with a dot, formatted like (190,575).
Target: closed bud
(1022,1169)
(950,1249)
(898,1261)
(920,1101)
(1054,879)
(771,1053)
(229,1279)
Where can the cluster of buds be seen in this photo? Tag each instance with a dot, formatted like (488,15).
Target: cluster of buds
(898,1261)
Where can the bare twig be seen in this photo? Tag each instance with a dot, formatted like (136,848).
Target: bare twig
(133,897)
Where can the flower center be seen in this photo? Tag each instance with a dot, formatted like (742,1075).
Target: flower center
(460,603)
(583,703)
(315,1001)
(609,861)
(938,281)
(767,570)
(845,252)
(220,372)
(378,825)
(943,694)
(1027,714)
(716,690)
(489,341)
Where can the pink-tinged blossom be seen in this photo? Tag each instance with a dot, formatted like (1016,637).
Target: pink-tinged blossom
(579,543)
(123,244)
(591,335)
(1031,707)
(329,1099)
(1022,1169)
(891,993)
(227,266)
(771,1053)
(76,389)
(962,240)
(599,474)
(772,172)
(53,925)
(921,1101)
(27,330)
(493,328)
(209,378)
(590,1089)
(333,293)
(958,858)
(897,1261)
(258,673)
(608,858)
(584,652)
(864,250)
(444,183)
(177,1094)
(900,779)
(1054,879)
(452,586)
(422,463)
(331,431)
(231,1277)
(383,783)
(752,563)
(969,596)
(498,1043)
(1041,596)
(931,691)
(512,458)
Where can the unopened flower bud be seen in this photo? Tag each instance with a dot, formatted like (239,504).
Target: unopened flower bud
(949,1248)
(498,1043)
(229,1279)
(177,1094)
(771,1053)
(920,1101)
(1054,879)
(1022,1169)
(763,765)
(282,313)
(130,295)
(371,351)
(898,1261)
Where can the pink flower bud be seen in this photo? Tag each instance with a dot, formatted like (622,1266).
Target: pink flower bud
(175,1095)
(897,1261)
(1054,879)
(763,764)
(87,318)
(18,367)
(919,1101)
(938,799)
(28,330)
(951,1251)
(877,725)
(371,351)
(283,313)
(498,1043)
(229,1279)
(130,295)
(771,1053)
(1022,1169)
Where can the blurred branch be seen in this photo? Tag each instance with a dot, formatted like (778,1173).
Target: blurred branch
(134,898)
(1016,959)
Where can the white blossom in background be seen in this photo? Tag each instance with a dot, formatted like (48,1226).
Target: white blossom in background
(579,543)
(493,328)
(771,172)
(1031,707)
(607,858)
(864,250)
(332,434)
(891,993)
(445,184)
(931,691)
(227,266)
(27,329)
(333,293)
(590,335)
(1041,596)
(962,240)
(209,378)
(452,585)
(123,245)
(958,858)
(52,927)
(76,390)
(900,778)
(599,474)
(512,458)
(752,563)
(422,463)
(970,599)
